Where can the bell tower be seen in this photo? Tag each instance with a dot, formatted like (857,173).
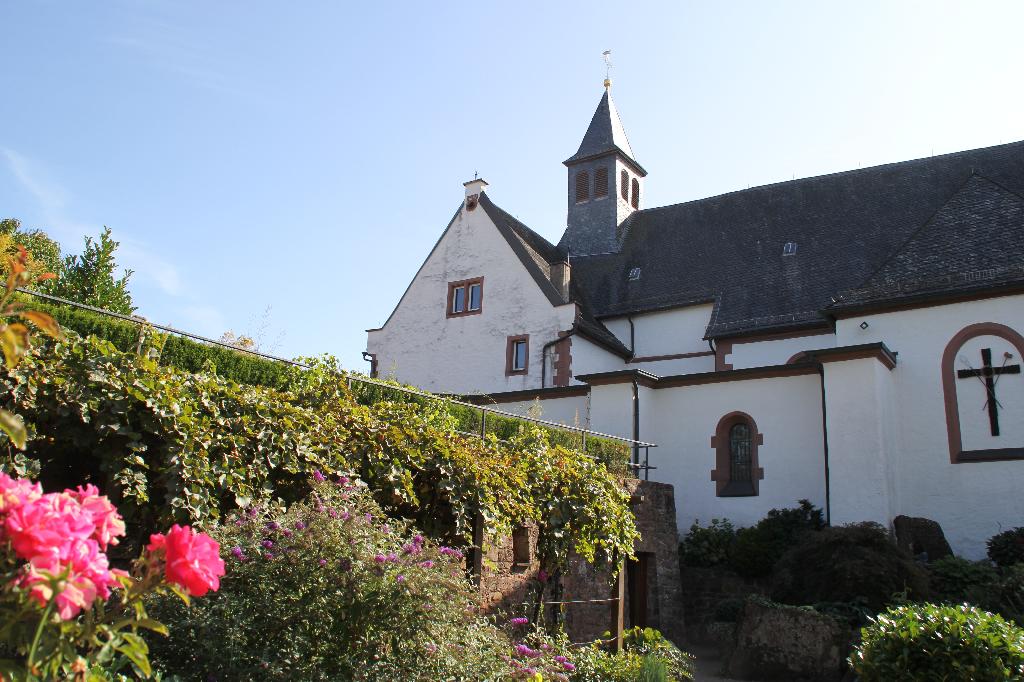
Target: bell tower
(606,184)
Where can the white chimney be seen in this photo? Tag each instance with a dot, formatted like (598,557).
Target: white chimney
(473,189)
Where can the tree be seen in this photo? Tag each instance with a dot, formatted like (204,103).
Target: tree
(89,278)
(43,252)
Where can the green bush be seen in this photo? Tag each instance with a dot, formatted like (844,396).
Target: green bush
(728,610)
(330,589)
(955,580)
(1007,548)
(176,351)
(710,546)
(925,642)
(759,547)
(646,655)
(850,563)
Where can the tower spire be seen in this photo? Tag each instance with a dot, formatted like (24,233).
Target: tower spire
(607,54)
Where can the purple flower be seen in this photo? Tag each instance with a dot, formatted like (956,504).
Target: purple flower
(561,659)
(237,551)
(380,558)
(318,477)
(417,539)
(385,527)
(287,533)
(322,562)
(299,525)
(545,646)
(268,556)
(411,549)
(542,575)
(392,557)
(332,512)
(450,551)
(345,516)
(524,650)
(369,517)
(530,671)
(273,525)
(400,578)
(519,621)
(267,543)
(343,480)
(427,564)
(569,667)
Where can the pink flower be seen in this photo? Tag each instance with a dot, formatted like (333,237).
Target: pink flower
(519,621)
(427,564)
(569,667)
(88,576)
(15,492)
(109,525)
(320,478)
(47,526)
(542,575)
(449,551)
(193,559)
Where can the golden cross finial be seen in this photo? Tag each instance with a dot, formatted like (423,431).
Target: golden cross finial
(607,54)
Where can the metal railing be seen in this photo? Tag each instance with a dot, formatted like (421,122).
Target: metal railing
(640,456)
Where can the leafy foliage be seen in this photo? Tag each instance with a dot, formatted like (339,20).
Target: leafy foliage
(850,563)
(43,252)
(759,547)
(1007,548)
(710,546)
(956,580)
(89,278)
(925,642)
(189,447)
(647,655)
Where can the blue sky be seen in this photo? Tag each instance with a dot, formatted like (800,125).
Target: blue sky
(306,156)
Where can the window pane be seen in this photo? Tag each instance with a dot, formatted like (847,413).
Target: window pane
(474,296)
(519,355)
(458,299)
(739,453)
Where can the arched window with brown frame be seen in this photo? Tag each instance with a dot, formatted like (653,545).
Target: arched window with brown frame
(736,472)
(600,183)
(624,185)
(582,186)
(636,194)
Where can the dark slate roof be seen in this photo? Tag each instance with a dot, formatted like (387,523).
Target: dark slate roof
(536,253)
(974,242)
(847,227)
(605,135)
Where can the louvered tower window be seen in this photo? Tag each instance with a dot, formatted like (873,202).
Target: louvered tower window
(624,185)
(739,453)
(582,186)
(601,182)
(636,193)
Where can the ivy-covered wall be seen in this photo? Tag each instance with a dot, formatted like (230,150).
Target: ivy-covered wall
(170,444)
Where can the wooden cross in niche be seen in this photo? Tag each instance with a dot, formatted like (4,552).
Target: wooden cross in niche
(989,376)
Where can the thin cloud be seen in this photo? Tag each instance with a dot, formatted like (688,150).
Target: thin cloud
(205,318)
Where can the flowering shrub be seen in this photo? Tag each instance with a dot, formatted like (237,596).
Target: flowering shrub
(331,588)
(54,569)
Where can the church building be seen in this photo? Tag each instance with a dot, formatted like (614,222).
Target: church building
(854,339)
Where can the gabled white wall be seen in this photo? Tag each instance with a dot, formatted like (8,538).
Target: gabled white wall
(590,358)
(419,345)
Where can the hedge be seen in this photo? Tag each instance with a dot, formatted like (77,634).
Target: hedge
(244,368)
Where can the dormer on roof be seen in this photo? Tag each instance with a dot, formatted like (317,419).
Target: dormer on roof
(605,183)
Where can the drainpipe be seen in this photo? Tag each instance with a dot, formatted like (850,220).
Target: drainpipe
(636,424)
(824,433)
(632,337)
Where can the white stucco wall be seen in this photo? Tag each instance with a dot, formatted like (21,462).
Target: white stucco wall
(972,501)
(667,332)
(664,368)
(776,351)
(590,358)
(419,345)
(682,421)
(571,411)
(860,469)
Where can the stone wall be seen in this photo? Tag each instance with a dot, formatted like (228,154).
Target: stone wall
(703,590)
(505,585)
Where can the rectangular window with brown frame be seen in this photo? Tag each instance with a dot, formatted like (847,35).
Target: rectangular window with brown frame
(517,355)
(465,297)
